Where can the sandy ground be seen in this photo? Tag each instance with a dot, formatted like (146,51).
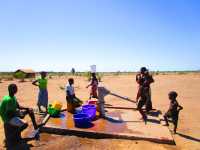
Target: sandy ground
(188,85)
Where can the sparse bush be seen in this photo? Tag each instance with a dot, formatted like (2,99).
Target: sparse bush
(88,75)
(59,75)
(181,72)
(62,87)
(157,72)
(8,78)
(117,73)
(99,77)
(20,75)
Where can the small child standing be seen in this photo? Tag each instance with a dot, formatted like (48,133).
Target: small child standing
(43,92)
(173,111)
(94,86)
(72,100)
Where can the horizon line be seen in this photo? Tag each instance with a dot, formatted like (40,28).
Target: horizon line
(50,71)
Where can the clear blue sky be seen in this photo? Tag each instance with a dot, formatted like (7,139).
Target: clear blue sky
(113,34)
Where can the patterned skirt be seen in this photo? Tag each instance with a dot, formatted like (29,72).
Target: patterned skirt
(43,98)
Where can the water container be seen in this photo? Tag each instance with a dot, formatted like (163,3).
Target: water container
(52,111)
(82,120)
(93,68)
(90,110)
(78,110)
(57,105)
(92,102)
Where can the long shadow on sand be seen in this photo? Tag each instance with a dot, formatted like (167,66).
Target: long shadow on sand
(188,137)
(153,121)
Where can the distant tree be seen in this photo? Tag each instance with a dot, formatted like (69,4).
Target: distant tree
(73,71)
(99,76)
(157,73)
(117,73)
(20,75)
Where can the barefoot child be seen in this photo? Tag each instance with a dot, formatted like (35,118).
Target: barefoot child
(173,110)
(12,114)
(94,86)
(72,101)
(43,93)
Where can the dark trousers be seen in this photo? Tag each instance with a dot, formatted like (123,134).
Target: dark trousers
(174,116)
(144,93)
(141,103)
(145,99)
(148,103)
(12,134)
(31,114)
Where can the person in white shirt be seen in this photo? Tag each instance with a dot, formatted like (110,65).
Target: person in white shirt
(72,100)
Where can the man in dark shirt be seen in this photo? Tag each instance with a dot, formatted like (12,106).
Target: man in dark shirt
(144,79)
(173,110)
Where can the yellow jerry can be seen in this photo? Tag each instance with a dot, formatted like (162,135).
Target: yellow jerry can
(57,105)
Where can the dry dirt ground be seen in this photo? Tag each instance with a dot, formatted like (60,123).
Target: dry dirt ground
(187,86)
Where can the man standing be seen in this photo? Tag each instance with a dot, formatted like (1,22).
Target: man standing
(144,79)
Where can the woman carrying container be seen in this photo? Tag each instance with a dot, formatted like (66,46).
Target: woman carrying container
(94,86)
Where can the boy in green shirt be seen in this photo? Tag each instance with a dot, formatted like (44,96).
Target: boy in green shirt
(43,93)
(12,113)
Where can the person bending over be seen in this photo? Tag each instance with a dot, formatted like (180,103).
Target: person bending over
(72,101)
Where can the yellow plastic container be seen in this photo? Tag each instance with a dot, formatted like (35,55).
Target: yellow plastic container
(57,105)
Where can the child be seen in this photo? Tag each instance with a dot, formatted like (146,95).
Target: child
(43,93)
(12,113)
(94,86)
(173,110)
(72,100)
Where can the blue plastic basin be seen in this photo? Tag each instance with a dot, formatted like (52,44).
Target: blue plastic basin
(90,110)
(82,120)
(78,110)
